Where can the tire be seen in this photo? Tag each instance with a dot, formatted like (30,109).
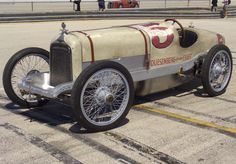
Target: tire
(103,96)
(217,64)
(10,86)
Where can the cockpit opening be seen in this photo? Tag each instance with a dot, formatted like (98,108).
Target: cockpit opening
(189,39)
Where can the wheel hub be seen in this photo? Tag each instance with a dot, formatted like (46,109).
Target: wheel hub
(217,70)
(103,96)
(109,98)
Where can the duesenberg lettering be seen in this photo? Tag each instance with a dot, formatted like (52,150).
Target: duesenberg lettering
(170,60)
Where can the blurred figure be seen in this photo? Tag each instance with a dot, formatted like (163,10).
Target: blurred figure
(77,2)
(225,7)
(214,5)
(101,5)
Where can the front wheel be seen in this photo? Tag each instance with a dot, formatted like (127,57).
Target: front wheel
(216,70)
(21,64)
(102,96)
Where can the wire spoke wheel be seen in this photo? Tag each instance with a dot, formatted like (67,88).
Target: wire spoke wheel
(104,97)
(31,63)
(220,70)
(24,62)
(105,92)
(217,70)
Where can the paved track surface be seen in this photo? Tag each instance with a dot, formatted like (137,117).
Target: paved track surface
(176,126)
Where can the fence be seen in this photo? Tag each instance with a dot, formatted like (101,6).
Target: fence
(66,6)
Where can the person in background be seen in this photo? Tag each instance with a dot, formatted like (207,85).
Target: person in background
(214,5)
(77,2)
(101,5)
(226,4)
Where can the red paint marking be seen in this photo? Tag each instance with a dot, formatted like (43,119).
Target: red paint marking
(150,24)
(157,44)
(156,40)
(91,45)
(158,28)
(220,38)
(92,49)
(147,63)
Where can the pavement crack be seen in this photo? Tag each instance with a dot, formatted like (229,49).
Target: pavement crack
(224,99)
(56,153)
(142,148)
(50,122)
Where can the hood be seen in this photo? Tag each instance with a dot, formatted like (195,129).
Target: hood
(117,42)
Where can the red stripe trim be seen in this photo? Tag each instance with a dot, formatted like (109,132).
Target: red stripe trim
(91,45)
(147,56)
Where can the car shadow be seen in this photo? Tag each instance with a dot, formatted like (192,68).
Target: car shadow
(55,114)
(193,87)
(52,113)
(76,128)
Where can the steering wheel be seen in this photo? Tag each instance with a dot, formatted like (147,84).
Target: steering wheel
(182,32)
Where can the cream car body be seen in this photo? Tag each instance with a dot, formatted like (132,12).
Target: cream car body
(132,47)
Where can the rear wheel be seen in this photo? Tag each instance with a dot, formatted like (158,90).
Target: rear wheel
(102,96)
(216,70)
(21,64)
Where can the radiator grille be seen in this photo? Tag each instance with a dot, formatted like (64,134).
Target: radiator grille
(60,63)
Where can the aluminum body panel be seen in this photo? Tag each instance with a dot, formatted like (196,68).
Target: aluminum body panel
(38,83)
(139,72)
(133,63)
(145,74)
(154,80)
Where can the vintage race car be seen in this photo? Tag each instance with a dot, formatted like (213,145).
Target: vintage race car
(98,72)
(123,4)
